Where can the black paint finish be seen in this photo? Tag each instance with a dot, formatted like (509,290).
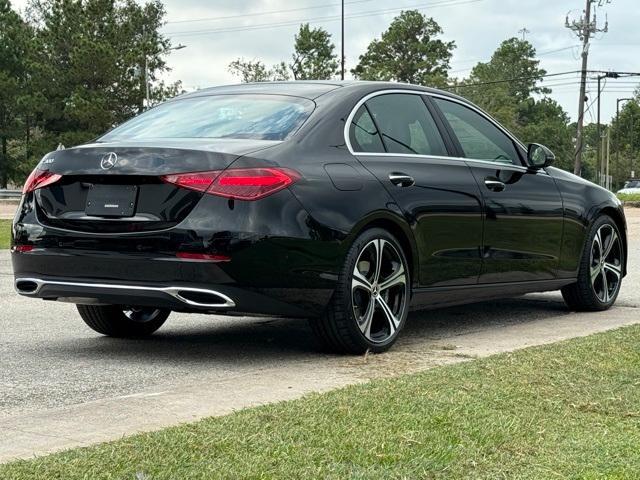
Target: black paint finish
(464,242)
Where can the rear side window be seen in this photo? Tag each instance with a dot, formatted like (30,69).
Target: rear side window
(480,138)
(260,117)
(405,124)
(363,134)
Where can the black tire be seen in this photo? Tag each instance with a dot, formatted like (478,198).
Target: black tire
(339,328)
(584,295)
(122,322)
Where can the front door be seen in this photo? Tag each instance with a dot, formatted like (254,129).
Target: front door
(522,208)
(395,137)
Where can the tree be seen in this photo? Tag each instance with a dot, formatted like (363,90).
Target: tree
(314,57)
(14,46)
(514,104)
(409,51)
(625,141)
(514,59)
(544,121)
(256,71)
(90,63)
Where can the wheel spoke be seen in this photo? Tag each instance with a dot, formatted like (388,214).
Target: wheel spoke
(598,240)
(613,240)
(360,281)
(367,319)
(397,278)
(595,272)
(615,269)
(605,287)
(379,245)
(391,318)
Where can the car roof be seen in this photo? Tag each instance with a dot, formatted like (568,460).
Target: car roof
(305,89)
(310,89)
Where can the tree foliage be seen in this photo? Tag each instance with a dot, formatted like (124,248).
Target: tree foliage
(408,51)
(15,37)
(256,71)
(79,71)
(520,103)
(314,57)
(625,141)
(514,59)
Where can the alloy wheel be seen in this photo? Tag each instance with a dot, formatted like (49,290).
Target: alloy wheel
(606,263)
(141,314)
(379,290)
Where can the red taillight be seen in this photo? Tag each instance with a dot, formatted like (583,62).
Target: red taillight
(22,248)
(208,257)
(236,183)
(38,179)
(199,181)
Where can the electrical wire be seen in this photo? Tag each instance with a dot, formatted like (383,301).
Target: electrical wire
(538,54)
(510,80)
(444,3)
(271,12)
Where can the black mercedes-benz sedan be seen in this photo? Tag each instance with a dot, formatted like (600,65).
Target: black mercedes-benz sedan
(348,203)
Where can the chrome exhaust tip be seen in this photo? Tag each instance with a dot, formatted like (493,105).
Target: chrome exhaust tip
(195,297)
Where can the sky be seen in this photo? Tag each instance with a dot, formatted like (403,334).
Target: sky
(216,32)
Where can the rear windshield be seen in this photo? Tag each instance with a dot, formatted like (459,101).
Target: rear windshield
(632,184)
(260,117)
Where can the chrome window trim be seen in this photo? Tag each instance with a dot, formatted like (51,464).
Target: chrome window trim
(501,166)
(464,103)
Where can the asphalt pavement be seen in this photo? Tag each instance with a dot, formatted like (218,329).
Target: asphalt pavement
(63,385)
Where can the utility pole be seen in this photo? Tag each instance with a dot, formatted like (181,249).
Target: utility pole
(342,45)
(607,176)
(524,33)
(598,140)
(584,28)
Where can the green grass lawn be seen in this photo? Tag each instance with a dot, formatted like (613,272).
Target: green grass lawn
(5,233)
(570,410)
(629,197)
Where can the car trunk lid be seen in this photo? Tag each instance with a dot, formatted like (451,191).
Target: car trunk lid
(112,188)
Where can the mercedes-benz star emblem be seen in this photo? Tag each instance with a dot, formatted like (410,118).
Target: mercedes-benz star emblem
(109,160)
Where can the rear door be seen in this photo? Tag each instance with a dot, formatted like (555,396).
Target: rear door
(396,137)
(523,208)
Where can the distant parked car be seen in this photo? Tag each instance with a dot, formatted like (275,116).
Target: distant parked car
(630,187)
(343,202)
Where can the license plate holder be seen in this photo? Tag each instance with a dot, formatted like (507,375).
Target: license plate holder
(111,200)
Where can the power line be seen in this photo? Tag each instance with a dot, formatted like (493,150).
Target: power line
(319,19)
(538,54)
(509,80)
(271,12)
(534,77)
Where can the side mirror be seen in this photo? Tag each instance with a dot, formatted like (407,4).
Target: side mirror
(539,156)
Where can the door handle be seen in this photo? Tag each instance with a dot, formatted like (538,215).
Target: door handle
(494,184)
(401,179)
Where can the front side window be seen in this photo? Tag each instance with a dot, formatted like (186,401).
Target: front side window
(405,124)
(480,138)
(260,117)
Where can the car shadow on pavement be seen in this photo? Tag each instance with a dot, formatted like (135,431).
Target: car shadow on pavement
(202,339)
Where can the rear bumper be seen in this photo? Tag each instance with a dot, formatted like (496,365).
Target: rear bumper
(178,297)
(278,264)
